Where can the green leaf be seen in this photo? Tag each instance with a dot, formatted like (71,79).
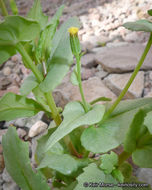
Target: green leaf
(13,7)
(14,106)
(101,139)
(143,157)
(74,117)
(17,162)
(36,14)
(111,133)
(148,121)
(28,85)
(17,29)
(140,25)
(40,152)
(116,173)
(130,142)
(150,12)
(109,161)
(6,53)
(126,170)
(62,163)
(94,176)
(61,57)
(44,47)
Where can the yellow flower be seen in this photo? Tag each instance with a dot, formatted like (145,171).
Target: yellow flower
(73,31)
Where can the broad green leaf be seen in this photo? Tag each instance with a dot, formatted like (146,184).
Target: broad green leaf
(150,12)
(74,117)
(130,142)
(44,47)
(17,162)
(6,52)
(14,106)
(101,139)
(148,121)
(28,85)
(143,157)
(17,29)
(111,133)
(108,162)
(74,77)
(140,25)
(40,153)
(36,14)
(94,176)
(61,57)
(62,163)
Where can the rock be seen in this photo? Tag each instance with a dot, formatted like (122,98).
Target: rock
(87,73)
(13,89)
(88,60)
(7,71)
(116,82)
(21,133)
(145,175)
(93,88)
(2,165)
(100,72)
(10,186)
(123,59)
(37,128)
(148,95)
(25,122)
(15,58)
(4,82)
(60,98)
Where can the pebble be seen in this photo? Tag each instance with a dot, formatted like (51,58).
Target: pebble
(37,128)
(6,71)
(21,133)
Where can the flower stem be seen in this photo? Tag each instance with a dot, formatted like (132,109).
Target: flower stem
(80,83)
(52,106)
(147,48)
(29,62)
(123,156)
(3,8)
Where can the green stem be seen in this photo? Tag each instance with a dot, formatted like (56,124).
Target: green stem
(3,8)
(29,62)
(147,48)
(52,106)
(123,156)
(80,83)
(14,7)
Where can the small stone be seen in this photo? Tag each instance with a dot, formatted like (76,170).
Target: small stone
(15,58)
(2,165)
(37,128)
(7,71)
(116,82)
(93,88)
(10,186)
(145,175)
(4,82)
(148,95)
(21,133)
(60,98)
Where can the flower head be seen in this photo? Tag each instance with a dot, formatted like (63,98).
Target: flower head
(73,31)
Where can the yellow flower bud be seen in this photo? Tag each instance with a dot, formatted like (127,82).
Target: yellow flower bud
(73,31)
(74,41)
